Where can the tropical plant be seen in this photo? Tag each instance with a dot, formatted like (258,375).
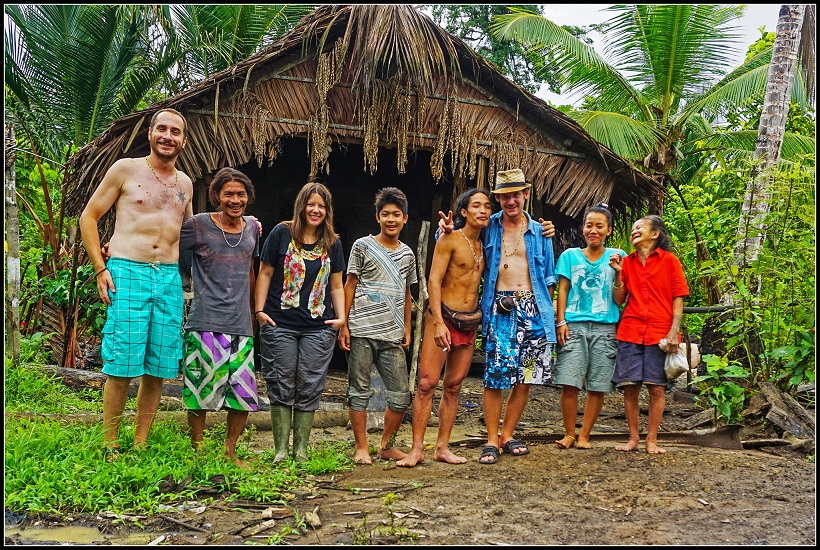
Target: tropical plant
(771,329)
(471,23)
(205,39)
(666,86)
(72,69)
(722,387)
(661,100)
(772,125)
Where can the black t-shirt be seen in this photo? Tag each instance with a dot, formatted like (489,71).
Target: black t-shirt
(273,253)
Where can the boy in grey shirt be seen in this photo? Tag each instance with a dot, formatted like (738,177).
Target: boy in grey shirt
(378,303)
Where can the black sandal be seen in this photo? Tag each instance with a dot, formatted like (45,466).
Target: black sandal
(489,451)
(513,444)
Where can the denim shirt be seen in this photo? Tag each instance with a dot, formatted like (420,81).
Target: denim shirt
(541,262)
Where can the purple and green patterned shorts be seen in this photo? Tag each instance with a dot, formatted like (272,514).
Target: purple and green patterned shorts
(219,372)
(517,347)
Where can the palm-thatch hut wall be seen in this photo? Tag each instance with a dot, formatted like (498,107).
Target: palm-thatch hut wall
(368,96)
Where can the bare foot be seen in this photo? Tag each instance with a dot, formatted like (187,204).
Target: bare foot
(446,455)
(362,456)
(238,461)
(391,453)
(653,449)
(583,444)
(631,445)
(111,454)
(413,457)
(566,442)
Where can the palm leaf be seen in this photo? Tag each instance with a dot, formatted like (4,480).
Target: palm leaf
(674,49)
(743,143)
(735,89)
(584,71)
(627,137)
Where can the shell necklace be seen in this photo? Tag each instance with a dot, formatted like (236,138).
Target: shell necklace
(478,258)
(520,235)
(176,175)
(241,233)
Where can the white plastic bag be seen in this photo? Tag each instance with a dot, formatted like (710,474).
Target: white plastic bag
(676,363)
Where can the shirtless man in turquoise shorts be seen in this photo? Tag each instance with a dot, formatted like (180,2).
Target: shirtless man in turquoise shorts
(140,283)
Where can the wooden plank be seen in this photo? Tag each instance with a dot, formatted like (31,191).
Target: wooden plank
(699,419)
(786,413)
(418,329)
(786,421)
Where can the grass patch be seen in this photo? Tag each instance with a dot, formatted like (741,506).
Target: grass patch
(30,389)
(55,467)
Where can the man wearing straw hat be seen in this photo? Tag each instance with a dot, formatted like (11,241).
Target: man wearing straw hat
(518,319)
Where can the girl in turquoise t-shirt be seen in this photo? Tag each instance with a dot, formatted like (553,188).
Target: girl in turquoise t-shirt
(585,325)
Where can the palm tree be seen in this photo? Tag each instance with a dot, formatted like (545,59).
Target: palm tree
(786,50)
(209,38)
(659,100)
(72,69)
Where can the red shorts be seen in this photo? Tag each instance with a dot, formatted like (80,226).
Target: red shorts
(460,337)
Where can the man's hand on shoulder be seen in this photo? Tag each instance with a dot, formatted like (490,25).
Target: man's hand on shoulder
(257,222)
(547,228)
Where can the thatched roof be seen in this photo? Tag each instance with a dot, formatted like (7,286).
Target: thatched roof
(379,76)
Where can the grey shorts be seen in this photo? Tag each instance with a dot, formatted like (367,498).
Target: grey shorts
(391,363)
(587,360)
(637,363)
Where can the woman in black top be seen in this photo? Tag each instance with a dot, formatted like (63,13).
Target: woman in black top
(300,284)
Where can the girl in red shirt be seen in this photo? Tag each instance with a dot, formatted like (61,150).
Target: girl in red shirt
(652,283)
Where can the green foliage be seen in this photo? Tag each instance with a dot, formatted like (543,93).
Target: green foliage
(721,389)
(72,69)
(772,325)
(57,468)
(797,359)
(56,287)
(30,389)
(33,349)
(327,457)
(204,39)
(471,23)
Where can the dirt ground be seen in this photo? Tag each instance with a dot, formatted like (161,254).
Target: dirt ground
(691,495)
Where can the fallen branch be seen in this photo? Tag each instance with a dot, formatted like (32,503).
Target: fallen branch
(182,523)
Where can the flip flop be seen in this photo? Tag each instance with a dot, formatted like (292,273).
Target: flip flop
(513,444)
(489,451)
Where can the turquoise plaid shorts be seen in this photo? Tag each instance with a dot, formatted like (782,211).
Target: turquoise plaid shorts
(143,327)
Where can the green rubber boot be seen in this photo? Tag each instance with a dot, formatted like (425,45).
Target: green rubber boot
(280,420)
(302,423)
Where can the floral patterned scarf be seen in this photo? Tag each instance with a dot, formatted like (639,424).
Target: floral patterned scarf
(294,277)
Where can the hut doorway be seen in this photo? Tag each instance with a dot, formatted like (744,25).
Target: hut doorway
(353,192)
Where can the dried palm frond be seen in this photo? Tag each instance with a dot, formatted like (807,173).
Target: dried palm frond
(385,40)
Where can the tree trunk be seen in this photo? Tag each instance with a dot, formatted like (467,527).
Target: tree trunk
(751,230)
(12,253)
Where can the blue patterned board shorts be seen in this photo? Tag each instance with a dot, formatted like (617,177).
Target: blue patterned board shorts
(517,347)
(219,372)
(143,325)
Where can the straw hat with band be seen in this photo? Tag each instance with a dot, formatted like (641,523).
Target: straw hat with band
(510,181)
